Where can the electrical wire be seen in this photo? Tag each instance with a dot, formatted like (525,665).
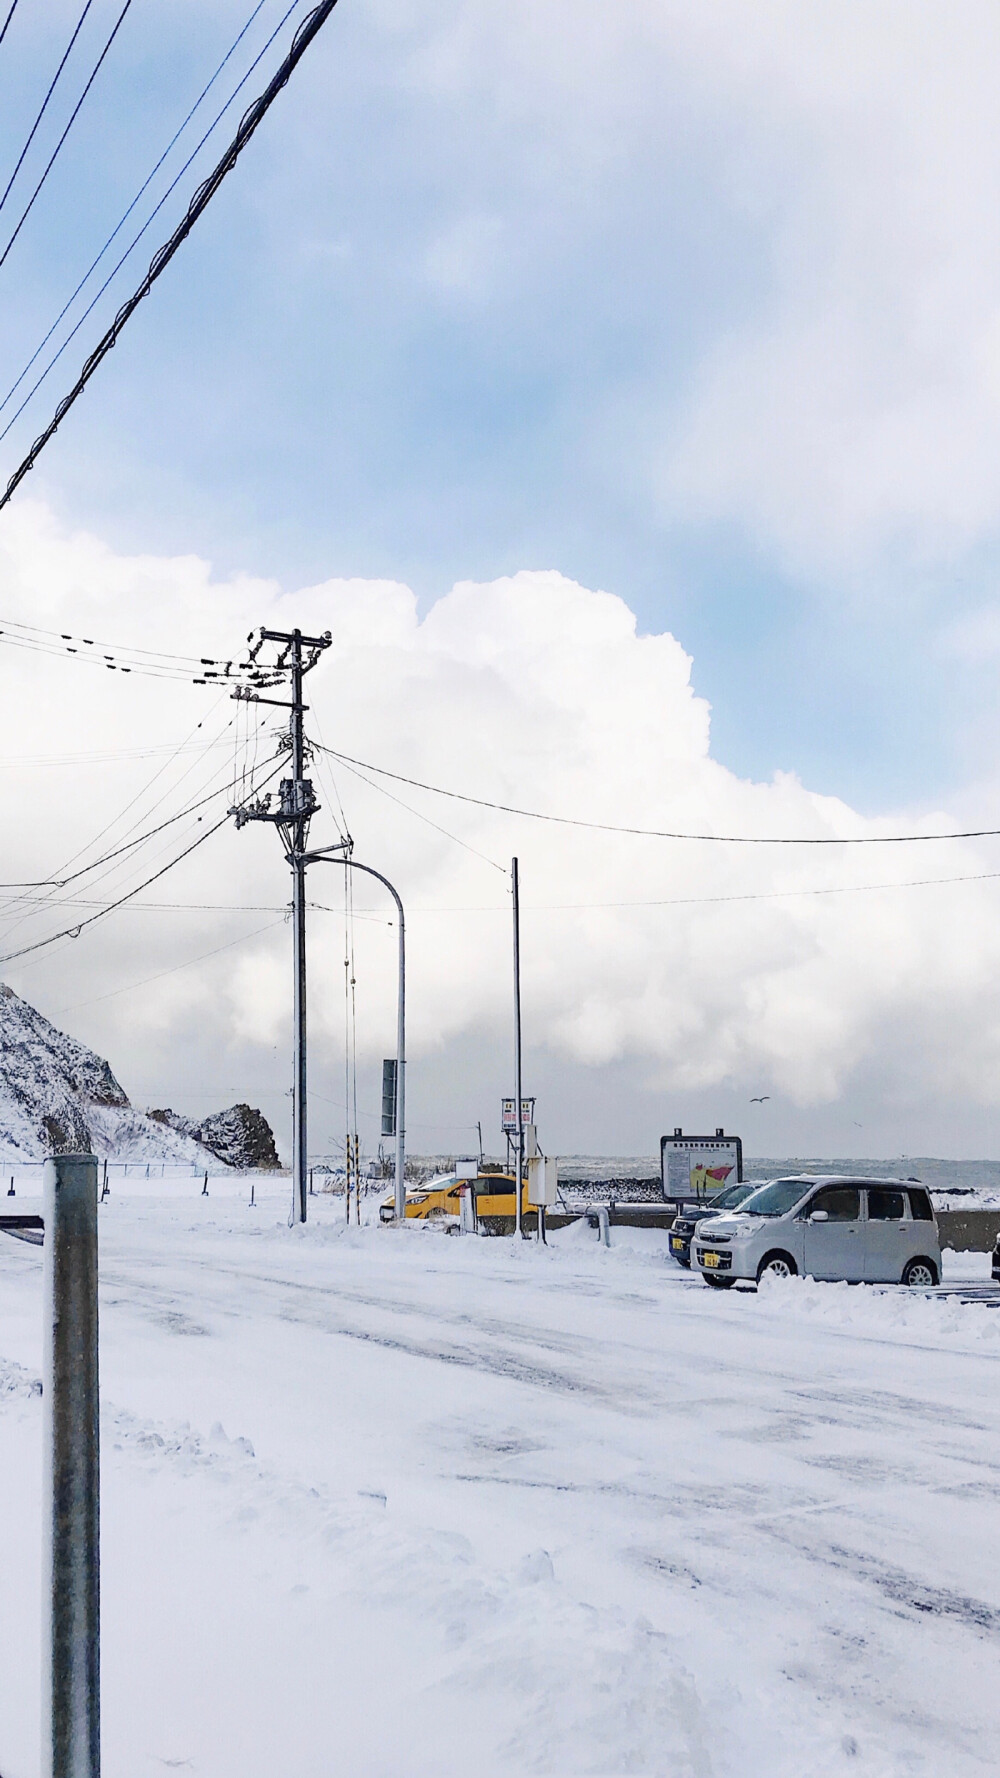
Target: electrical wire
(136,238)
(91,269)
(252,118)
(195,907)
(681,901)
(426,818)
(10,15)
(107,828)
(130,845)
(655,833)
(106,661)
(128,859)
(81,925)
(74,932)
(129,648)
(73,117)
(130,987)
(325,769)
(45,101)
(129,658)
(111,756)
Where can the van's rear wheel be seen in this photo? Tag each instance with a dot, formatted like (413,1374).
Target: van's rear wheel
(922,1274)
(776,1265)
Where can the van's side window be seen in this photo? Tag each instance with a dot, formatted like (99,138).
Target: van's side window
(920,1206)
(885,1206)
(842,1203)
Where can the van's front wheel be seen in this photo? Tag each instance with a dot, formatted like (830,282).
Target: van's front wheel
(776,1265)
(718,1283)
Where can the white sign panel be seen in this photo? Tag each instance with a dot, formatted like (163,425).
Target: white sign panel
(508,1115)
(699,1166)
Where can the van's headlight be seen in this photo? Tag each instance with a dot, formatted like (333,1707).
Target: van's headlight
(744,1233)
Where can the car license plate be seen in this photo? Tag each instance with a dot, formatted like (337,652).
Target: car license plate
(675,1241)
(709,1259)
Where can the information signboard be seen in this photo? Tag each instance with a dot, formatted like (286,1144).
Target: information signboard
(508,1115)
(693,1167)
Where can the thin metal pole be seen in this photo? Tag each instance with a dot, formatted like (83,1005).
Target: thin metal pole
(400,1193)
(517,1047)
(321,857)
(71,1640)
(300,1145)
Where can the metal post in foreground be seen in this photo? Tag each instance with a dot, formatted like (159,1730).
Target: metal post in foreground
(71,1706)
(517,1047)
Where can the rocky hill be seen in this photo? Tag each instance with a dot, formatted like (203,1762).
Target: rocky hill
(241,1136)
(58,1097)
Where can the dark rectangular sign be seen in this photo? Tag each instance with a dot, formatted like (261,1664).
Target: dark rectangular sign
(389,1096)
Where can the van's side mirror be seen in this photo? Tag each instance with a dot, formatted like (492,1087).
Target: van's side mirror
(820,1216)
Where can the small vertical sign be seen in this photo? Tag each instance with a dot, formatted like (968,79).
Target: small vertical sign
(389,1096)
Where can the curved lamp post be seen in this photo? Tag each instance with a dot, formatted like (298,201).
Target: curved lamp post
(325,857)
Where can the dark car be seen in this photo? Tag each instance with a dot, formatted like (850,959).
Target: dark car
(996,1261)
(690,1215)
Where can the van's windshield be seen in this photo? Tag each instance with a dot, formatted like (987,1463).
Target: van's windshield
(775,1199)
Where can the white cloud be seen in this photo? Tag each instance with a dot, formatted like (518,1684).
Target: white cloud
(851,420)
(845,407)
(533,691)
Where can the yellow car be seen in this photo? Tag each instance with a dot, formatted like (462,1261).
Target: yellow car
(441,1199)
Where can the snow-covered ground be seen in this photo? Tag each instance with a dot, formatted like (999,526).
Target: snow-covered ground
(391,1504)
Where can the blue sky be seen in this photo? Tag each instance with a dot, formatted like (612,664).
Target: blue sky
(456,313)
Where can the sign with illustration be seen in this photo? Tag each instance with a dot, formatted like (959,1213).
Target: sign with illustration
(693,1167)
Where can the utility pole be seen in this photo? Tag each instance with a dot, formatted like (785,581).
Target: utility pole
(517,1047)
(296,655)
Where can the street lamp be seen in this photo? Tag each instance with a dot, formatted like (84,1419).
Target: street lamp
(335,855)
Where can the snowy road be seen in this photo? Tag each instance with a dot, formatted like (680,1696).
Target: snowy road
(478,1510)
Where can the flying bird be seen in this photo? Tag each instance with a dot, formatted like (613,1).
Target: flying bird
(761,1099)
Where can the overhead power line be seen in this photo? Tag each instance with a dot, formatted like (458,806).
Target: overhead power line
(136,238)
(141,839)
(251,120)
(10,15)
(73,117)
(45,101)
(128,658)
(79,926)
(175,969)
(659,833)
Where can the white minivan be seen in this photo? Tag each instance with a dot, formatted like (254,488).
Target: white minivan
(875,1231)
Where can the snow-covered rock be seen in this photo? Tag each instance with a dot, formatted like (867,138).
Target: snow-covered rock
(241,1136)
(58,1097)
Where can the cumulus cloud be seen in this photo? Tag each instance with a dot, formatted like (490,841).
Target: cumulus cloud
(851,418)
(698,966)
(842,401)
